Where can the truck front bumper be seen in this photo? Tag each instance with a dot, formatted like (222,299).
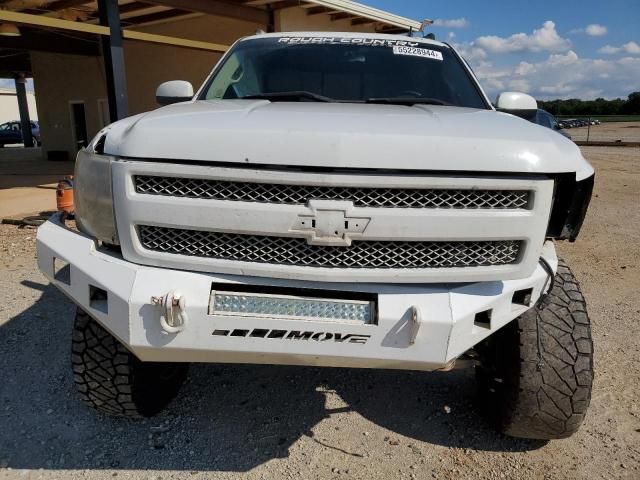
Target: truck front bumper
(118,294)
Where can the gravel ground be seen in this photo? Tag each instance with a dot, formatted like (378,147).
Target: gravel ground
(269,422)
(608,132)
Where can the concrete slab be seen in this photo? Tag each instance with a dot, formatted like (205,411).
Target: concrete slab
(23,201)
(28,182)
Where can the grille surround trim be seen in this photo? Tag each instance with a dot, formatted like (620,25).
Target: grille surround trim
(371,197)
(387,224)
(294,251)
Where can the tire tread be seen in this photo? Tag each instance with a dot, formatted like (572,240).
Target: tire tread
(112,380)
(548,376)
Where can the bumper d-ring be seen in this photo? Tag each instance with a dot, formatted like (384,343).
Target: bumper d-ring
(173,317)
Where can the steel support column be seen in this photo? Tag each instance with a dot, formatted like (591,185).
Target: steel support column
(113,55)
(271,24)
(23,107)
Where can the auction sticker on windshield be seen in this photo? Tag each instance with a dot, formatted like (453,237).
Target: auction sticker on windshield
(417,52)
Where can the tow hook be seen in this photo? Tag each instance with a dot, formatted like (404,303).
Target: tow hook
(414,322)
(173,318)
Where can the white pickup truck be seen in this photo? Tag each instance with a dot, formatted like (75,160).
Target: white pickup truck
(330,199)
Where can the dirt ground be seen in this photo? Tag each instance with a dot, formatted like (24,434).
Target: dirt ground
(608,132)
(264,422)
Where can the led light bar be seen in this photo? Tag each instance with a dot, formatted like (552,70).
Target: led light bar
(286,307)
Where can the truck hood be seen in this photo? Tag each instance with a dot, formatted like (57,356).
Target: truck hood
(334,135)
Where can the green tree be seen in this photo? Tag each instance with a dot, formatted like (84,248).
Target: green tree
(599,106)
(632,105)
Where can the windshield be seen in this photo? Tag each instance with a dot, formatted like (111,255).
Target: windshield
(349,69)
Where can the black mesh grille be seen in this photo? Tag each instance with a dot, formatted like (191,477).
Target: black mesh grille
(296,251)
(360,196)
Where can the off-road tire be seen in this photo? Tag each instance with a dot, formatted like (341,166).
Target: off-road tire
(536,373)
(112,380)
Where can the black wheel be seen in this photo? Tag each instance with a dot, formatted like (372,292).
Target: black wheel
(112,380)
(536,373)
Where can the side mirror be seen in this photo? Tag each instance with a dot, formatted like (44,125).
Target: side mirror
(516,103)
(173,92)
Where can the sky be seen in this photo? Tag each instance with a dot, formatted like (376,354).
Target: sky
(549,49)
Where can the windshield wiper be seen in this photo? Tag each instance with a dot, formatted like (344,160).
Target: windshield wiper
(293,96)
(303,95)
(407,101)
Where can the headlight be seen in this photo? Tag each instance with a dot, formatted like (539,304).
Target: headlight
(92,196)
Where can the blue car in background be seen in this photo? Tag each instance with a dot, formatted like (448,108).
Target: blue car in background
(545,119)
(11,133)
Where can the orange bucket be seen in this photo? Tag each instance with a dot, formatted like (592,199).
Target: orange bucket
(64,195)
